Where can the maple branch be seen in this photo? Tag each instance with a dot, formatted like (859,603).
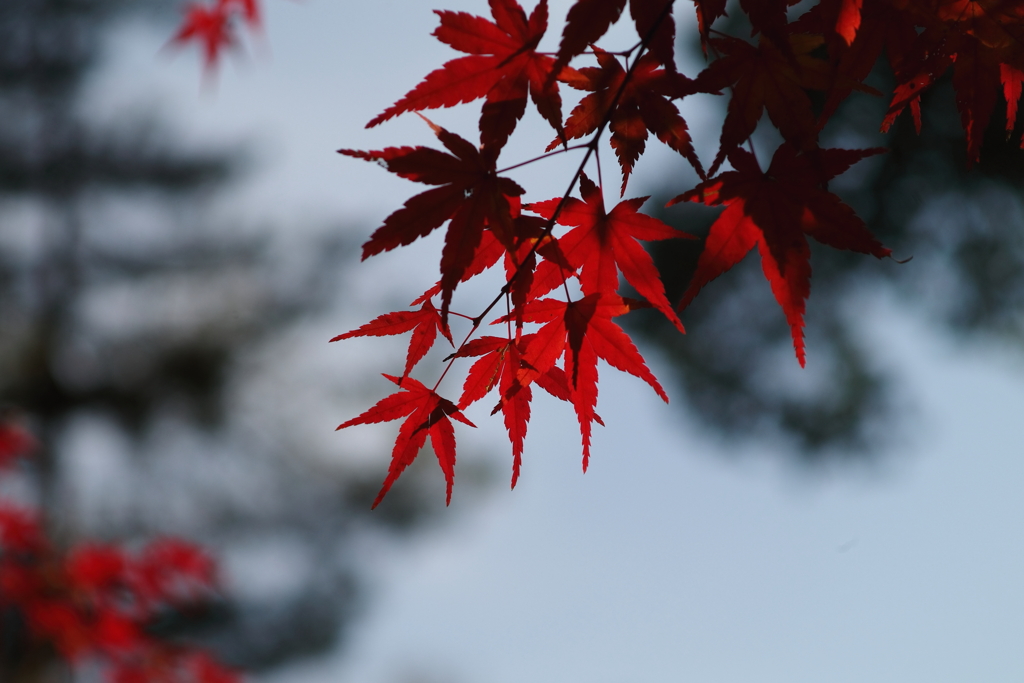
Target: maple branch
(451,358)
(508,315)
(565,287)
(621,53)
(642,43)
(591,149)
(541,157)
(777,213)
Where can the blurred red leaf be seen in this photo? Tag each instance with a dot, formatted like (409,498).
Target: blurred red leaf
(210,26)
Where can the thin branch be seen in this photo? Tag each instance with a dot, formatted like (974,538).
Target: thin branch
(591,147)
(540,158)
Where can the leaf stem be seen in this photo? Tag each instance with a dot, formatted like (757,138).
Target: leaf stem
(451,359)
(540,158)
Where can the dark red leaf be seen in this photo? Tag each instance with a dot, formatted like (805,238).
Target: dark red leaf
(644,105)
(774,211)
(471,195)
(764,77)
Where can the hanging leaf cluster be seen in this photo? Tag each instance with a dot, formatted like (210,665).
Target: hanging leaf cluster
(566,259)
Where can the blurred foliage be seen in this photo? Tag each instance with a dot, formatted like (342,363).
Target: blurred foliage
(124,306)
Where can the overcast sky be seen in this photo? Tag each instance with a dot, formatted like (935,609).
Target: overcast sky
(670,560)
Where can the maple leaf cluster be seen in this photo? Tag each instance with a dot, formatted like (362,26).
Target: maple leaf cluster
(798,69)
(94,603)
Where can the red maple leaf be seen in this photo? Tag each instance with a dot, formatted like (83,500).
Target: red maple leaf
(983,42)
(424,323)
(848,19)
(603,243)
(856,32)
(582,331)
(643,105)
(500,366)
(503,66)
(774,211)
(426,414)
(530,238)
(588,20)
(470,193)
(764,77)
(768,17)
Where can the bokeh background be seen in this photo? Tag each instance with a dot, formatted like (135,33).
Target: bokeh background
(177,246)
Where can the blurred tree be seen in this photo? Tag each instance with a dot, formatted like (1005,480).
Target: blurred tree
(128,320)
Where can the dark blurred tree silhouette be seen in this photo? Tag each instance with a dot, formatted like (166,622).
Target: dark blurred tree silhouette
(120,303)
(962,226)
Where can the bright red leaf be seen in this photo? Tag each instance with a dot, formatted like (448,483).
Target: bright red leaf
(581,332)
(503,66)
(602,244)
(424,323)
(500,366)
(848,21)
(426,414)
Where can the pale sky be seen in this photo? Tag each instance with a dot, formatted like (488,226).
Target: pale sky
(670,560)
